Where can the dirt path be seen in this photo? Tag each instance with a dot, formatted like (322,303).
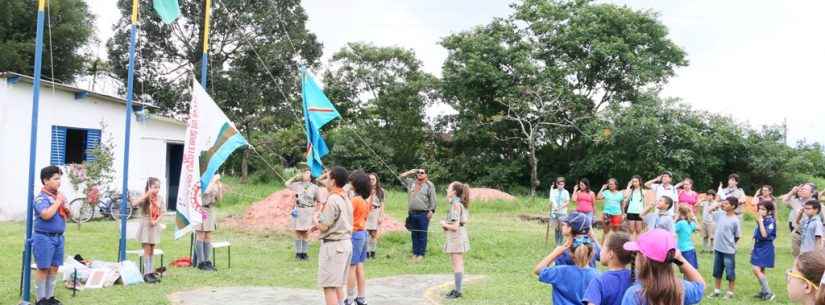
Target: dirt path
(404,289)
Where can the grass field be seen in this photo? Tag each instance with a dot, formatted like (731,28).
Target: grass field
(504,249)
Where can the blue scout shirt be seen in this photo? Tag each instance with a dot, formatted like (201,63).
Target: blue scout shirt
(54,225)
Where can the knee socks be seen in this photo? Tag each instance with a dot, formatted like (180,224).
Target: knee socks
(459,277)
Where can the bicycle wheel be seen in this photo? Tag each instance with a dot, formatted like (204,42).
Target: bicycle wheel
(114,210)
(82,210)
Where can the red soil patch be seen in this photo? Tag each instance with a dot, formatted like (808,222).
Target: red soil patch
(488,194)
(274,214)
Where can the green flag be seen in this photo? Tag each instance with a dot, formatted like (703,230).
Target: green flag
(167,9)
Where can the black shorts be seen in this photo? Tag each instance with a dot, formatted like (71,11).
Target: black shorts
(634,217)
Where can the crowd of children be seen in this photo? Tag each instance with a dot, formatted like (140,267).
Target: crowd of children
(652,238)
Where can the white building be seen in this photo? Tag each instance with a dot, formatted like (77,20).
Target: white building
(69,125)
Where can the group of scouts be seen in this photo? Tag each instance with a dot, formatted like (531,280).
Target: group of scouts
(348,218)
(652,237)
(51,211)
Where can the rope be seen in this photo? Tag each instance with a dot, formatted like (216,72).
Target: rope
(268,164)
(51,45)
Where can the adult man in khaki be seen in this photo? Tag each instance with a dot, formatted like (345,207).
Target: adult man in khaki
(421,207)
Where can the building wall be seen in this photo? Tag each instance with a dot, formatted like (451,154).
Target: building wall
(57,107)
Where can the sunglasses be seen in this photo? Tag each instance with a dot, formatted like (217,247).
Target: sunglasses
(790,273)
(420,173)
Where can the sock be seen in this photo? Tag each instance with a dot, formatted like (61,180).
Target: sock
(716,291)
(41,290)
(207,250)
(763,281)
(371,245)
(350,294)
(147,265)
(298,246)
(50,285)
(199,251)
(458,279)
(304,246)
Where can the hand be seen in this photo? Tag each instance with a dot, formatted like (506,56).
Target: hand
(629,184)
(568,243)
(678,256)
(604,186)
(758,217)
(720,184)
(429,215)
(576,188)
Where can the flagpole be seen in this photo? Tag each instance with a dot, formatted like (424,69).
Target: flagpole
(129,97)
(207,14)
(38,61)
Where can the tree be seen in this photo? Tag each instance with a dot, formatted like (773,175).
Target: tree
(249,39)
(71,29)
(382,94)
(521,82)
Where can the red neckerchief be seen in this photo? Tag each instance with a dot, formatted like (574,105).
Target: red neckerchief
(154,208)
(64,212)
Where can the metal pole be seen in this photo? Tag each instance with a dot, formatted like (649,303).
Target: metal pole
(124,197)
(38,61)
(207,14)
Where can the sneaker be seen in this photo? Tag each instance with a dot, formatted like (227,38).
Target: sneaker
(305,256)
(453,294)
(360,301)
(43,302)
(148,279)
(716,294)
(347,302)
(298,256)
(760,295)
(729,295)
(768,297)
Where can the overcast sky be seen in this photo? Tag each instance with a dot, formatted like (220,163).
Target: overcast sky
(759,61)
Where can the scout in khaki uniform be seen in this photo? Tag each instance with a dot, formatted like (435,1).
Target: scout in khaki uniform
(306,199)
(203,244)
(421,208)
(376,217)
(148,234)
(457,241)
(335,225)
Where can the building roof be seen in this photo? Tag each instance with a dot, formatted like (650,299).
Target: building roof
(77,91)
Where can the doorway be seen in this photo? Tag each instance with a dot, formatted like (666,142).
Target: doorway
(174,161)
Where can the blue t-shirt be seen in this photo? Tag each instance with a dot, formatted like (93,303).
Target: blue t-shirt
(54,225)
(693,292)
(613,202)
(569,282)
(608,288)
(566,258)
(684,230)
(770,228)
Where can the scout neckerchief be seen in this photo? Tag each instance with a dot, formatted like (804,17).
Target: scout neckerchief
(154,208)
(64,212)
(336,191)
(419,183)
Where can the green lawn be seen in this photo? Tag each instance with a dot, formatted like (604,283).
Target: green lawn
(504,249)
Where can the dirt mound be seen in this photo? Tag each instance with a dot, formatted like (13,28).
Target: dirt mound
(488,194)
(274,214)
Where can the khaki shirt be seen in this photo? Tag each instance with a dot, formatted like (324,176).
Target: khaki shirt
(337,216)
(424,199)
(307,193)
(458,213)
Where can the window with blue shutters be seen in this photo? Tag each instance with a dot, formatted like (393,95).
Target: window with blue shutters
(73,145)
(58,155)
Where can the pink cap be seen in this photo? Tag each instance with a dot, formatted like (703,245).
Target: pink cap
(654,244)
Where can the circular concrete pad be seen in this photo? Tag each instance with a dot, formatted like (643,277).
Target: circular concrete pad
(404,289)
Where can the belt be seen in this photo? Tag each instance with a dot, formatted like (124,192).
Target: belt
(49,234)
(331,240)
(419,211)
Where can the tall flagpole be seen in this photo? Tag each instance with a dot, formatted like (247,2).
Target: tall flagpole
(38,61)
(207,14)
(129,96)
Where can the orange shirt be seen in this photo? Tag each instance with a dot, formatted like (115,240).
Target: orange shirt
(360,211)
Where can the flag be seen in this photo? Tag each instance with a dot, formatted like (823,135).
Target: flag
(210,139)
(169,10)
(318,111)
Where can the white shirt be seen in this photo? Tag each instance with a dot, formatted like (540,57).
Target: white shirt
(669,191)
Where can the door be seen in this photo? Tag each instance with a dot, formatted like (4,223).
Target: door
(174,161)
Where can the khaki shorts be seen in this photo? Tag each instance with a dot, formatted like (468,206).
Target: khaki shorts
(333,263)
(304,220)
(708,230)
(796,241)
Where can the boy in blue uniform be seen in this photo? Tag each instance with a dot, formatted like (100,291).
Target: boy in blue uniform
(610,286)
(569,281)
(47,239)
(763,255)
(577,225)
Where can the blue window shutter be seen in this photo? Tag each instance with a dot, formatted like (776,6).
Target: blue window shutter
(92,141)
(58,155)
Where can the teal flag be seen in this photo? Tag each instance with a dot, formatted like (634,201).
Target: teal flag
(318,111)
(169,10)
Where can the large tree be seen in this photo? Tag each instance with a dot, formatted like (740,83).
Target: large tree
(530,80)
(256,48)
(71,29)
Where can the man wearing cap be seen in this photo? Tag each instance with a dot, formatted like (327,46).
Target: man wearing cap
(661,187)
(421,209)
(579,225)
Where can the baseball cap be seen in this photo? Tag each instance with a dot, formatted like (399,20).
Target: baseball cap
(578,222)
(654,244)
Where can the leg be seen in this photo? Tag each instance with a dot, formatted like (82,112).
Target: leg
(425,226)
(718,265)
(331,295)
(730,269)
(361,280)
(298,243)
(351,282)
(50,281)
(417,227)
(458,270)
(147,258)
(207,246)
(41,276)
(199,247)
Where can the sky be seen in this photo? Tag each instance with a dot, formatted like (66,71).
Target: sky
(760,62)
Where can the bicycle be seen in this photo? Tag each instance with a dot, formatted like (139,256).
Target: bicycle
(107,205)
